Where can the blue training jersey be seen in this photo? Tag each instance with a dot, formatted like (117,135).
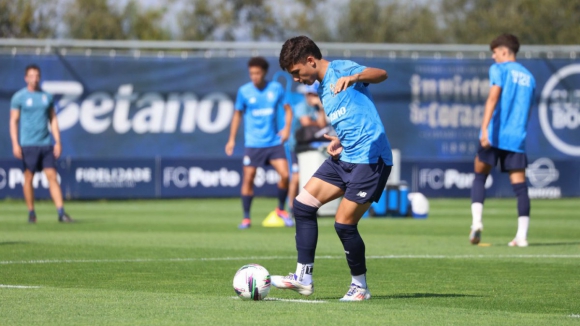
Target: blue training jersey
(508,126)
(354,116)
(34,110)
(259,108)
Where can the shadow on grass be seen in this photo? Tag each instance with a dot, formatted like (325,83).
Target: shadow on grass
(12,243)
(554,244)
(414,296)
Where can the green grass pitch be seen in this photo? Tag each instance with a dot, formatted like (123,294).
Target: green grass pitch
(171,262)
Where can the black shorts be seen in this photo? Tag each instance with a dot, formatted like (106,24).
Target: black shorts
(294,167)
(257,157)
(37,158)
(361,183)
(508,160)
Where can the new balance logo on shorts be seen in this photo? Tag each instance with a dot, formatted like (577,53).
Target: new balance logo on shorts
(362,194)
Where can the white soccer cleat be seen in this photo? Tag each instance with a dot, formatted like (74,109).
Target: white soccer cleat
(518,243)
(289,282)
(356,293)
(475,236)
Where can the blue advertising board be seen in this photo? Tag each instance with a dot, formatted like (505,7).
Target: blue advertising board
(163,109)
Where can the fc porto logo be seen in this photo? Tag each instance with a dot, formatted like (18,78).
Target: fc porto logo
(331,87)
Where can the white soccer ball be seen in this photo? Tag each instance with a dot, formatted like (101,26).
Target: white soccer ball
(252,282)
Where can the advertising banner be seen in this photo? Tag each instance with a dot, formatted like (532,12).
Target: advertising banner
(148,127)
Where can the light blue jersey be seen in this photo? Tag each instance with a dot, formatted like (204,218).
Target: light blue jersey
(354,116)
(34,110)
(301,109)
(260,111)
(508,126)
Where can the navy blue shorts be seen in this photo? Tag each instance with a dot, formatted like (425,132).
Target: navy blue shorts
(37,158)
(257,157)
(361,183)
(508,160)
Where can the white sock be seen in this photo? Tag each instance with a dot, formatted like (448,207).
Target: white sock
(304,273)
(360,280)
(523,223)
(476,214)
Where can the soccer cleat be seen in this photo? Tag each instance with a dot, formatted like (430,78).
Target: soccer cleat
(356,293)
(475,236)
(32,219)
(518,243)
(288,221)
(246,224)
(289,282)
(64,218)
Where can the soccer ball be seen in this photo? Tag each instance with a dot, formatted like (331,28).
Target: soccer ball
(252,282)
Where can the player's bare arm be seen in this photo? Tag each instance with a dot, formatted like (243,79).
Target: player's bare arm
(285,132)
(55,132)
(233,131)
(14,120)
(492,98)
(334,148)
(369,75)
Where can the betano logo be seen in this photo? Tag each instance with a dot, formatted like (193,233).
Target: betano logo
(143,113)
(563,102)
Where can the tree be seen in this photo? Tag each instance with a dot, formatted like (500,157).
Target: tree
(27,19)
(533,21)
(100,20)
(229,20)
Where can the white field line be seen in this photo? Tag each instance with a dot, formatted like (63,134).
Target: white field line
(6,286)
(574,316)
(288,300)
(257,258)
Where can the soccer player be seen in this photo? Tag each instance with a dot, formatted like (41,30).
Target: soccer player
(308,113)
(257,102)
(358,167)
(503,134)
(32,110)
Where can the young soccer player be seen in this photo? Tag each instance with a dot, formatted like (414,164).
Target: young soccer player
(31,112)
(358,167)
(257,102)
(503,134)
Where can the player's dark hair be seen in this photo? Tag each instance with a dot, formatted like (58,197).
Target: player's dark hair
(510,41)
(259,62)
(32,66)
(296,50)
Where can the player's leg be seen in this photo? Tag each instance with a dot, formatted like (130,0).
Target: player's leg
(516,164)
(30,163)
(366,185)
(49,169)
(247,193)
(281,166)
(28,191)
(316,192)
(484,161)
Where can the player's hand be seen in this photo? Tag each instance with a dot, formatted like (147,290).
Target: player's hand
(334,148)
(284,134)
(345,82)
(17,151)
(57,150)
(484,140)
(230,147)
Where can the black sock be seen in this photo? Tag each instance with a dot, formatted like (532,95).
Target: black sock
(282,195)
(306,232)
(354,247)
(478,188)
(521,191)
(246,204)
